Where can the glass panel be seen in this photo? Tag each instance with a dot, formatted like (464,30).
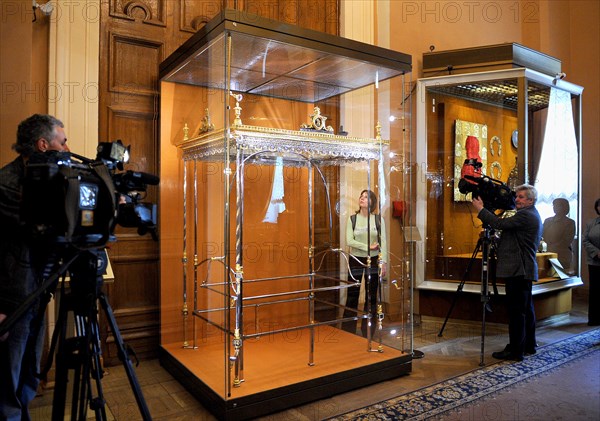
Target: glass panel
(277,69)
(473,145)
(194,294)
(469,139)
(258,187)
(205,68)
(556,180)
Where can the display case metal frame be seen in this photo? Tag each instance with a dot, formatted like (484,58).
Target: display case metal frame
(520,89)
(328,67)
(310,149)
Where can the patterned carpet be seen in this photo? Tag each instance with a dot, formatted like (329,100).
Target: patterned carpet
(437,400)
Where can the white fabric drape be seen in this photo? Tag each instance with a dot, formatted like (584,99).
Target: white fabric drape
(557,174)
(276,204)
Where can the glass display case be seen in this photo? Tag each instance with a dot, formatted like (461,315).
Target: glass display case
(269,135)
(496,129)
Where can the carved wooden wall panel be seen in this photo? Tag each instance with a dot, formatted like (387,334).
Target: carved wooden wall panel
(128,55)
(193,14)
(135,36)
(150,12)
(130,124)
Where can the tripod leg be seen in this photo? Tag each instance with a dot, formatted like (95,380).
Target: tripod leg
(485,294)
(482,352)
(62,377)
(124,357)
(460,286)
(74,354)
(68,356)
(92,370)
(80,383)
(78,394)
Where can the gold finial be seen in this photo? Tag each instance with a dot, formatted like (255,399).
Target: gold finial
(206,126)
(238,110)
(186,131)
(378,131)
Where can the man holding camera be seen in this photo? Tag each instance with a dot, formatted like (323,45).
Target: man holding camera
(517,266)
(21,266)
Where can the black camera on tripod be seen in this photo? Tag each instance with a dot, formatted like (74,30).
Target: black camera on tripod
(75,200)
(494,193)
(72,204)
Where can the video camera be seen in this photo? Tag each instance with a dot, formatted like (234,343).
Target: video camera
(494,193)
(71,199)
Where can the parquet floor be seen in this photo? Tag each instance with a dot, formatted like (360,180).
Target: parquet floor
(457,352)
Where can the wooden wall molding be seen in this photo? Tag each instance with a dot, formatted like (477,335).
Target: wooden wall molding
(133,248)
(129,54)
(138,128)
(148,12)
(194,15)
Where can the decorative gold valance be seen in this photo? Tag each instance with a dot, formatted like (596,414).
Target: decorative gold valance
(319,146)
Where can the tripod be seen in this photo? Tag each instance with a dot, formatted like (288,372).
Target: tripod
(486,246)
(81,352)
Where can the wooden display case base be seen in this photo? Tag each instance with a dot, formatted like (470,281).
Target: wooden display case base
(453,267)
(469,306)
(276,372)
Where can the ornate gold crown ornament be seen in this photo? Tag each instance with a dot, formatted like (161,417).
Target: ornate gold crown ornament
(317,122)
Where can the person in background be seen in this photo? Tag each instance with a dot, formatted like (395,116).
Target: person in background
(21,264)
(559,232)
(591,245)
(364,242)
(516,264)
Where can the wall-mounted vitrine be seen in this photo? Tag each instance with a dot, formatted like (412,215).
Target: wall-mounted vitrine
(504,127)
(269,134)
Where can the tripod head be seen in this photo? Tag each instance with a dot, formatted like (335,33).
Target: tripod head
(489,235)
(85,268)
(86,278)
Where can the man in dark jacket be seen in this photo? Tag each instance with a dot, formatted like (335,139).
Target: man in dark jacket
(517,266)
(20,270)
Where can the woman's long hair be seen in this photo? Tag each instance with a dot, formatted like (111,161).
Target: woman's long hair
(372,200)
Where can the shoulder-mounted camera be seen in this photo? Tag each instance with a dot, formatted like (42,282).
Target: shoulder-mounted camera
(72,199)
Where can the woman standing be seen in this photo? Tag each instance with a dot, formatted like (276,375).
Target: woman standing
(591,244)
(365,236)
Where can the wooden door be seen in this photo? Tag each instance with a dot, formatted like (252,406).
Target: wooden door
(134,38)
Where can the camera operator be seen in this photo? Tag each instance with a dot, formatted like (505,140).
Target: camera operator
(21,265)
(517,266)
